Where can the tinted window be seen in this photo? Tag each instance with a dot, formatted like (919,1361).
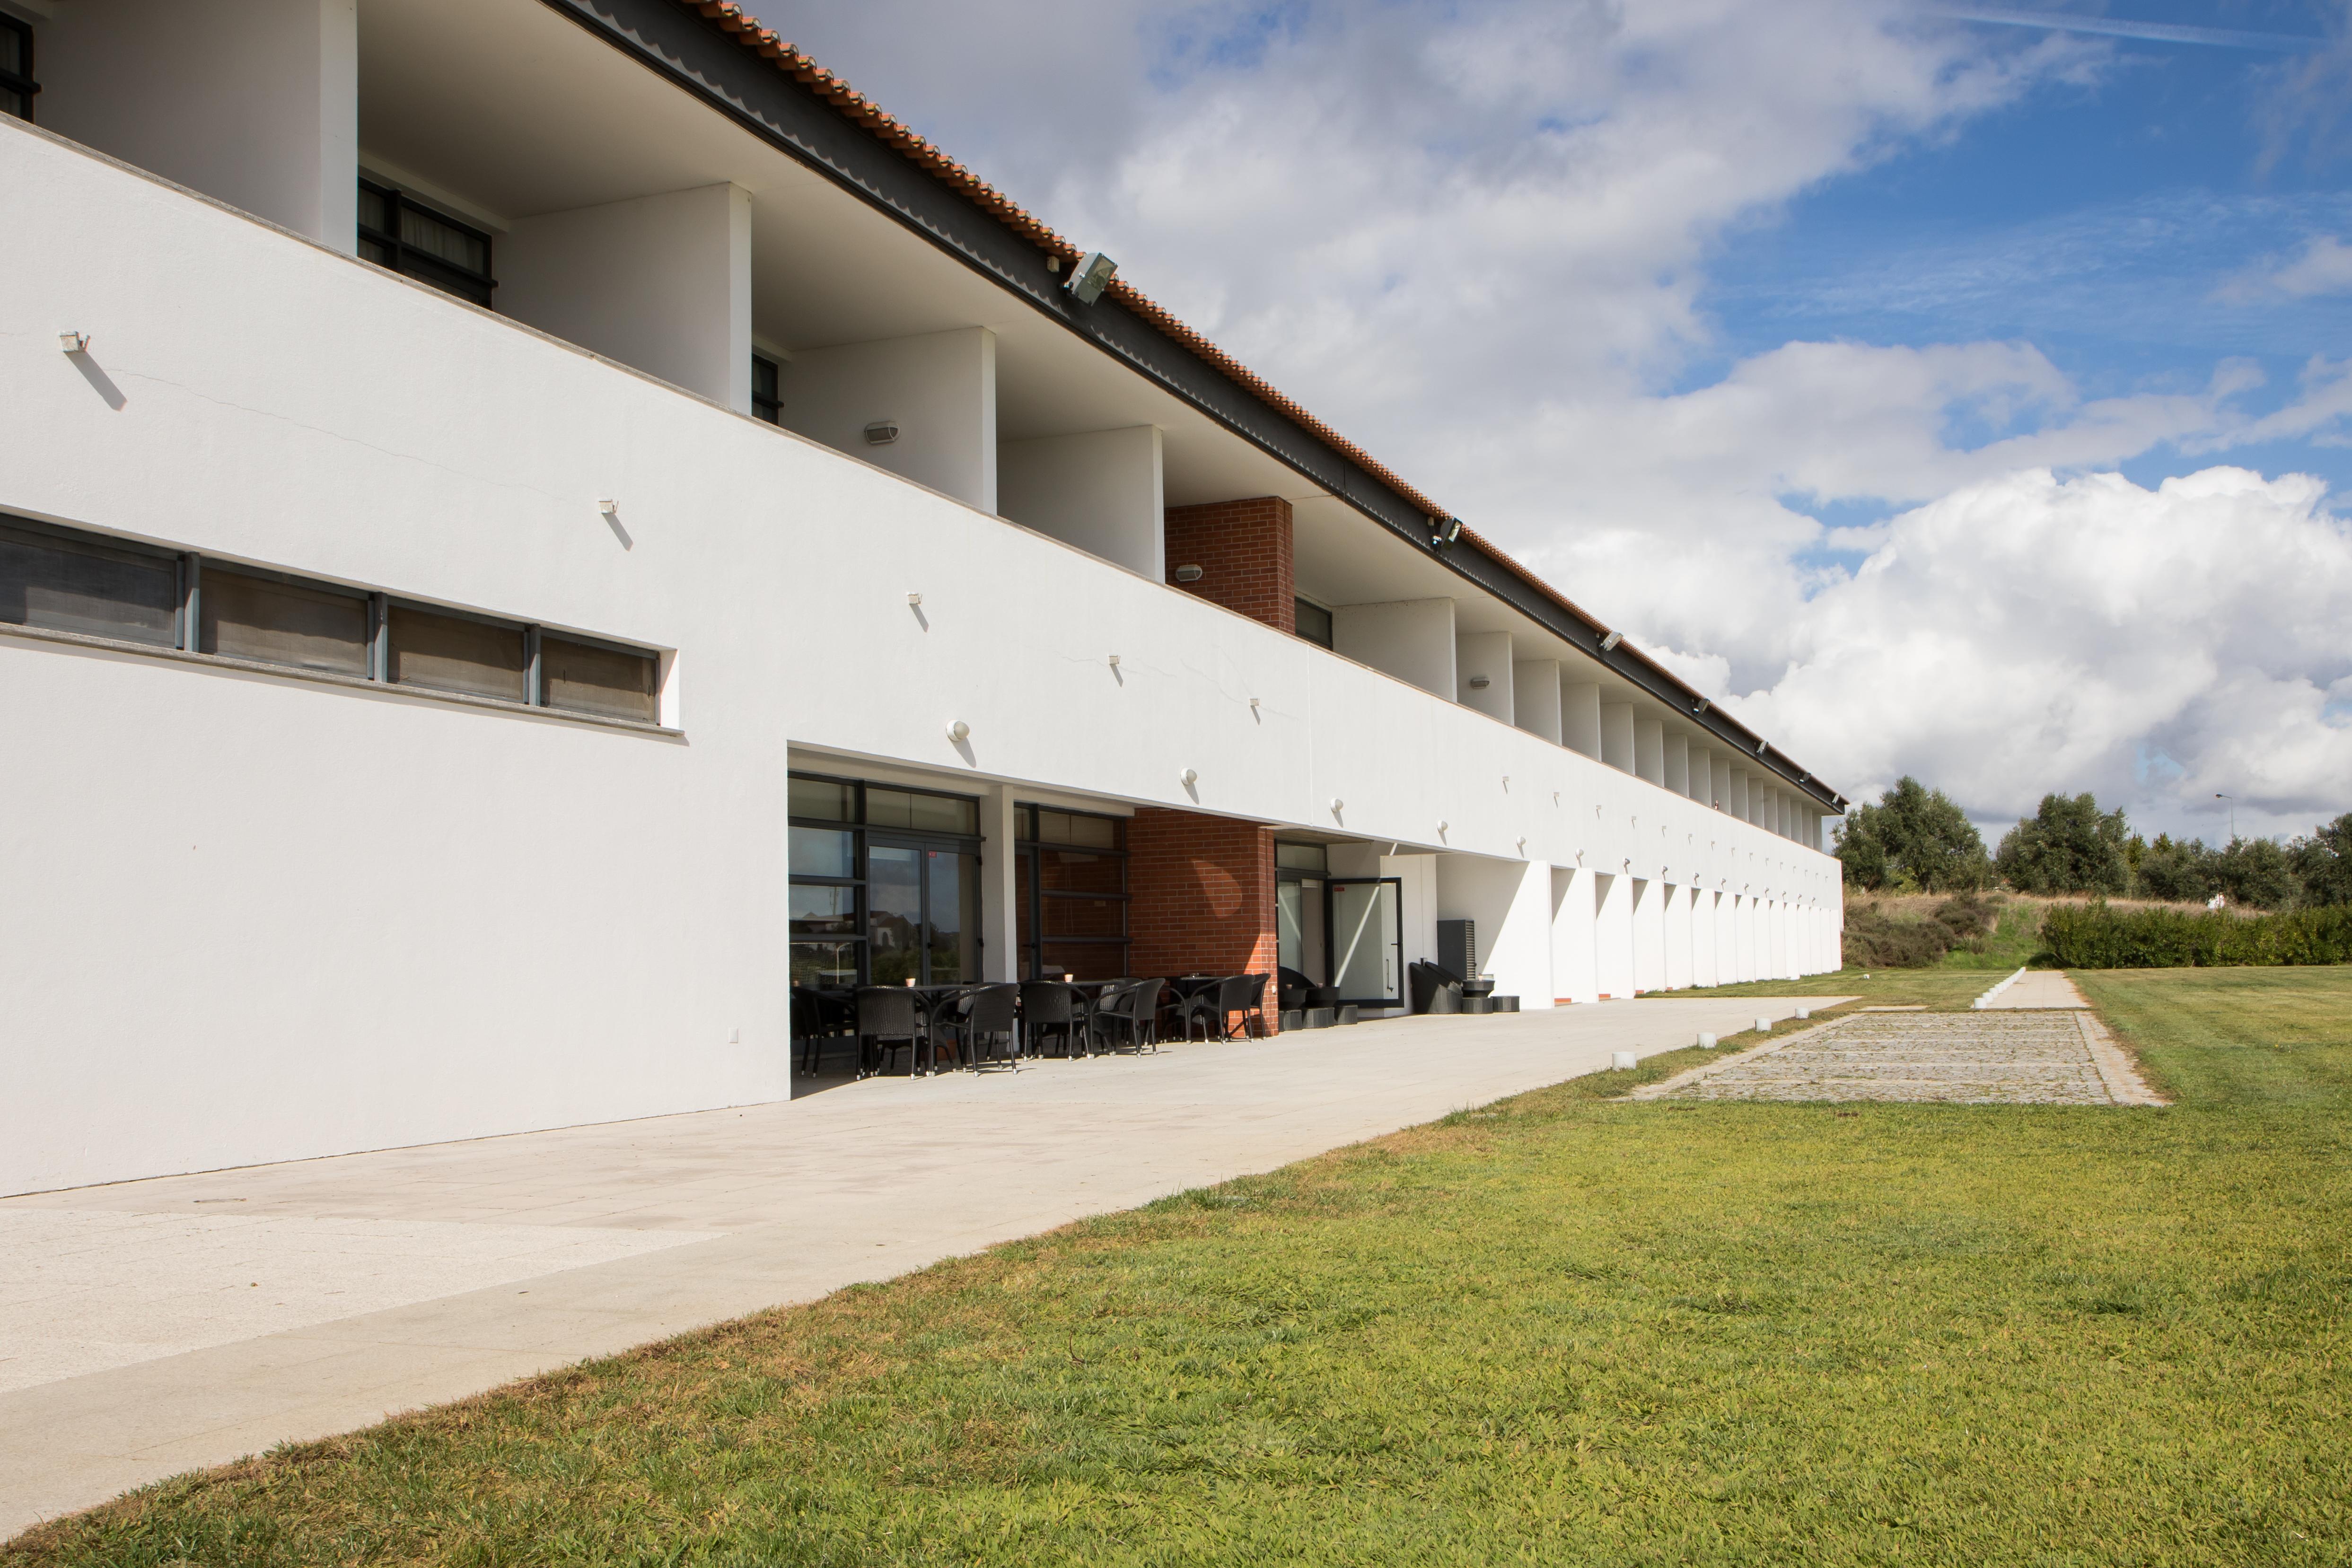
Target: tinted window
(282,623)
(823,799)
(582,677)
(87,588)
(1314,623)
(452,653)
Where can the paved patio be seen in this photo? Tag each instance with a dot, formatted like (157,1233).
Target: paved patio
(156,1326)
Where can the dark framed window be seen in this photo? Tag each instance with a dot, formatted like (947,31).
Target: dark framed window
(1301,874)
(16,84)
(885,883)
(399,232)
(1070,894)
(767,390)
(1314,624)
(64,579)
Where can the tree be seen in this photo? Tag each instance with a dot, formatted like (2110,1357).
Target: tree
(2178,871)
(2323,863)
(2066,846)
(1914,838)
(2255,872)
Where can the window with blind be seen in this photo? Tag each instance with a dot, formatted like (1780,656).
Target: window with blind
(57,579)
(17,86)
(397,231)
(1070,897)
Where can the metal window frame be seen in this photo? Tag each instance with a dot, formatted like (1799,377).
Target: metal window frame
(1028,846)
(1299,598)
(413,261)
(102,545)
(769,410)
(21,82)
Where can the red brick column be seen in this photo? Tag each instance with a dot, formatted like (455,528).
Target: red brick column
(1201,896)
(1243,551)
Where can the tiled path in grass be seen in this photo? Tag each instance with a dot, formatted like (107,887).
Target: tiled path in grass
(2008,1057)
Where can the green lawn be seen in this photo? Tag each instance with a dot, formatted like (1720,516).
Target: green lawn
(1962,977)
(1563,1329)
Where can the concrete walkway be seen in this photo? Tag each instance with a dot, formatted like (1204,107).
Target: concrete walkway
(2036,989)
(157,1326)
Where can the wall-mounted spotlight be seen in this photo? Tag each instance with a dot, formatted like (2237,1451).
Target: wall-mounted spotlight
(1189,574)
(1114,660)
(1444,531)
(1703,705)
(74,343)
(1190,777)
(1337,805)
(959,731)
(1442,825)
(882,432)
(915,600)
(1612,640)
(1760,746)
(1090,277)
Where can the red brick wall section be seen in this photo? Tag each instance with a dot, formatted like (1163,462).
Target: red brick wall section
(1201,896)
(1243,551)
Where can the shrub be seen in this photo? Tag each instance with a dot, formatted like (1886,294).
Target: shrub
(2093,937)
(2066,846)
(1967,917)
(1875,940)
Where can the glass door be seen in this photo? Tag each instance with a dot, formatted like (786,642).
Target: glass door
(895,938)
(922,921)
(1367,939)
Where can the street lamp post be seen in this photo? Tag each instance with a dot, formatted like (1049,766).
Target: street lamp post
(2233,816)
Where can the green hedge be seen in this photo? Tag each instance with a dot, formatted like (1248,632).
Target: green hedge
(2093,937)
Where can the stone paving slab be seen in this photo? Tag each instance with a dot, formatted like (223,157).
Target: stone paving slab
(2038,988)
(1976,1058)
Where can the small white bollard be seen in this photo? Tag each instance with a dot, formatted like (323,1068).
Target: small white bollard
(1707,1043)
(1621,1062)
(1763,1026)
(1804,1012)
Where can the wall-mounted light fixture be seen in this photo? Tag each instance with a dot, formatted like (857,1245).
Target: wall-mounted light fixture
(1190,777)
(74,343)
(1612,640)
(1480,683)
(1253,705)
(1114,660)
(606,506)
(1337,805)
(1703,705)
(915,600)
(959,731)
(1090,277)
(1189,574)
(1054,264)
(1760,748)
(882,432)
(1442,825)
(1444,531)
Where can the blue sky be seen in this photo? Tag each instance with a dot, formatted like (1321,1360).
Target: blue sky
(1962,399)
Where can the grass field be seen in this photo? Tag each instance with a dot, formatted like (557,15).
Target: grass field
(1562,1329)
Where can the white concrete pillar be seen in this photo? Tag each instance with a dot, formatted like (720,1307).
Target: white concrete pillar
(1678,763)
(1574,972)
(1617,736)
(1746,926)
(1650,750)
(1739,795)
(1701,937)
(1649,935)
(253,102)
(660,283)
(1580,718)
(1612,935)
(1678,937)
(1783,968)
(1509,902)
(999,928)
(1482,673)
(1412,639)
(1535,697)
(938,389)
(1727,938)
(1720,764)
(1101,491)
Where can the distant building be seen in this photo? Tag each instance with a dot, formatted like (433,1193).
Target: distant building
(532,528)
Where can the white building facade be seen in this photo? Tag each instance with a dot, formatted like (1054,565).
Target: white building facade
(533,526)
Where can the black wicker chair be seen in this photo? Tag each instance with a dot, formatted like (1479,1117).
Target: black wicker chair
(1049,1007)
(991,1027)
(817,1018)
(886,1019)
(1126,1014)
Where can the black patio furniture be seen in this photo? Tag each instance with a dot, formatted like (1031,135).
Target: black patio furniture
(1253,1007)
(1435,989)
(1127,1013)
(1201,1008)
(819,1014)
(1049,1007)
(991,1026)
(887,1017)
(1299,993)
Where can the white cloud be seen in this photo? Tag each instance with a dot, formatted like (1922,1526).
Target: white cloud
(2324,266)
(2028,633)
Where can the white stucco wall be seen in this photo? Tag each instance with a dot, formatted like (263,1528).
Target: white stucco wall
(1484,655)
(662,283)
(1101,491)
(272,918)
(1535,697)
(940,387)
(253,102)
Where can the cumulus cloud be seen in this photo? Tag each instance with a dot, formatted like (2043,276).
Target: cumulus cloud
(2029,633)
(1475,234)
(2324,267)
